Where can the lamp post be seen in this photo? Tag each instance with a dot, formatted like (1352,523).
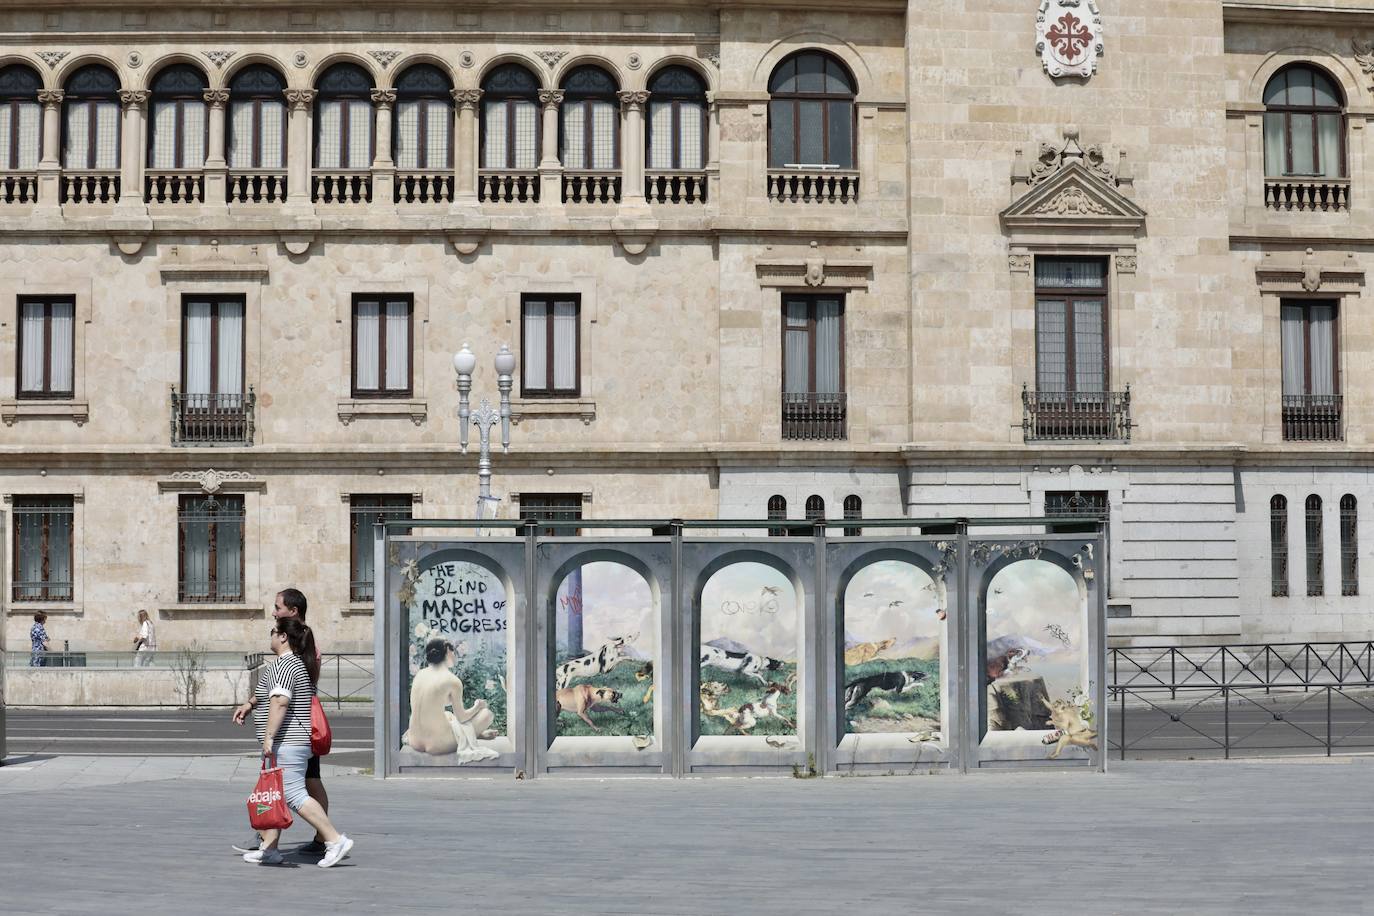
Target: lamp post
(484,418)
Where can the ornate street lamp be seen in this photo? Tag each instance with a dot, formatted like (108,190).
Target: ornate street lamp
(484,418)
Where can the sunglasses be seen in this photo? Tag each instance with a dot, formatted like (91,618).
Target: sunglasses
(274,631)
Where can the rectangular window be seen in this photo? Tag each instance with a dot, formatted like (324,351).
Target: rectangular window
(47,348)
(552,507)
(343,136)
(813,392)
(92,135)
(382,344)
(1311,372)
(550,345)
(257,134)
(364,512)
(1082,510)
(43,548)
(212,346)
(210,549)
(1071,328)
(20,135)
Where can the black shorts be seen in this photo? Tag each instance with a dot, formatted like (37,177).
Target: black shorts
(312,769)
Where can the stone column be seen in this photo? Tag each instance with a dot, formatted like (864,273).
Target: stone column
(632,147)
(712,147)
(298,196)
(50,165)
(216,168)
(465,158)
(383,165)
(131,153)
(550,169)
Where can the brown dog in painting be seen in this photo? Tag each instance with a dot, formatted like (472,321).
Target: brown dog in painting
(583,698)
(1068,721)
(867,651)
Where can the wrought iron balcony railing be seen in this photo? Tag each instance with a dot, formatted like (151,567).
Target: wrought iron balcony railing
(813,416)
(212,419)
(1312,418)
(1076,415)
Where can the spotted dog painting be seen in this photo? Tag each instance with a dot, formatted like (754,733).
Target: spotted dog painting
(603,660)
(748,652)
(894,625)
(458,644)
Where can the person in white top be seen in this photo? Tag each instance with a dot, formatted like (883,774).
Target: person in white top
(145,641)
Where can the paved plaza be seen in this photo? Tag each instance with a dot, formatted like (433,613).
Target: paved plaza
(151,836)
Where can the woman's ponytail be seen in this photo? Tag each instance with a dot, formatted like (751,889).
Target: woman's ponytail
(302,643)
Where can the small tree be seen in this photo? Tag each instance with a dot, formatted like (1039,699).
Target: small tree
(188,666)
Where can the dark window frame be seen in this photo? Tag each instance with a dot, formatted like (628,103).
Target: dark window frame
(1306,304)
(90,99)
(1310,111)
(853,511)
(187,507)
(180,98)
(13,100)
(381,391)
(378,507)
(1278,546)
(677,99)
(1093,506)
(796,98)
(552,507)
(509,97)
(811,300)
(587,100)
(45,507)
(1350,545)
(47,392)
(777,511)
(255,98)
(215,301)
(1316,558)
(550,390)
(345,123)
(1067,294)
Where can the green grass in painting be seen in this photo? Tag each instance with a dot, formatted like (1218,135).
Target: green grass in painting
(635,717)
(894,711)
(742,690)
(476,672)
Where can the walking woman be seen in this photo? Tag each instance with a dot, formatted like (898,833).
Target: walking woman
(282,718)
(38,641)
(145,641)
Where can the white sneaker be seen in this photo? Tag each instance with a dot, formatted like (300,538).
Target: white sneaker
(264,857)
(334,852)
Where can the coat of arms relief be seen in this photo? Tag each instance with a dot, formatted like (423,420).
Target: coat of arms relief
(1068,37)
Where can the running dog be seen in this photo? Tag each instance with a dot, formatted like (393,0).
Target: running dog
(767,707)
(892,681)
(604,659)
(745,663)
(583,698)
(1070,727)
(647,674)
(867,651)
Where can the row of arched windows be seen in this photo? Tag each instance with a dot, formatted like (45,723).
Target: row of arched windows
(1314,549)
(815,511)
(811,118)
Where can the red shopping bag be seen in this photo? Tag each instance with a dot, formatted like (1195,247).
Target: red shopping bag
(267,804)
(321,736)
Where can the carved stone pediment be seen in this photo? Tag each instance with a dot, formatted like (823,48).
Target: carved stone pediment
(1075,197)
(816,270)
(1288,273)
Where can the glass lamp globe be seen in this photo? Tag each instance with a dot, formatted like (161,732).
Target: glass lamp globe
(464,361)
(505,361)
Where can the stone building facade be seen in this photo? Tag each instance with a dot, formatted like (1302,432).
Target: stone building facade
(866,258)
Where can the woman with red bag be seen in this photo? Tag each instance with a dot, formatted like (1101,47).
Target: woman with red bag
(282,719)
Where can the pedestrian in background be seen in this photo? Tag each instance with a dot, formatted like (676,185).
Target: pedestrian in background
(38,641)
(145,640)
(282,721)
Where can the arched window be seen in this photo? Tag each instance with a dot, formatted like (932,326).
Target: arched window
(343,119)
(815,508)
(424,119)
(1304,124)
(1278,546)
(811,113)
(1350,546)
(21,119)
(510,119)
(177,125)
(677,120)
(853,509)
(589,129)
(777,509)
(257,119)
(91,125)
(1315,569)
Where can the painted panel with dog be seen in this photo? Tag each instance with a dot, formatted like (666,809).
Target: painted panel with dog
(604,652)
(748,652)
(894,626)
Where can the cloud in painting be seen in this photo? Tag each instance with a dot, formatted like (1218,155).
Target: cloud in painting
(754,605)
(871,611)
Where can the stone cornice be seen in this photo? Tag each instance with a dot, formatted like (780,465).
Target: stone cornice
(1292,14)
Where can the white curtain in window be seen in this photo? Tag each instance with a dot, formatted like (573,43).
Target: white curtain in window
(526,135)
(23,123)
(691,118)
(60,347)
(1275,158)
(828,347)
(241,135)
(367,346)
(1088,364)
(660,135)
(565,346)
(536,345)
(106,135)
(574,136)
(494,135)
(604,119)
(78,136)
(272,138)
(359,135)
(328,152)
(8,124)
(408,135)
(193,135)
(1294,350)
(28,530)
(1329,145)
(165,135)
(397,346)
(33,345)
(230,348)
(197,344)
(796,371)
(1323,352)
(1051,345)
(438,130)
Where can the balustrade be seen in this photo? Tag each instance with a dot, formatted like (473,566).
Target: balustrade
(174,187)
(18,188)
(258,186)
(507,187)
(820,186)
(424,187)
(675,187)
(90,186)
(1329,194)
(342,187)
(591,187)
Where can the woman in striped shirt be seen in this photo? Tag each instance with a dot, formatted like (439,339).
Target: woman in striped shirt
(282,719)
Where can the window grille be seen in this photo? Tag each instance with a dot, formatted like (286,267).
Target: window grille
(43,557)
(364,512)
(1278,546)
(1315,570)
(210,548)
(1082,509)
(1350,551)
(853,509)
(552,507)
(777,509)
